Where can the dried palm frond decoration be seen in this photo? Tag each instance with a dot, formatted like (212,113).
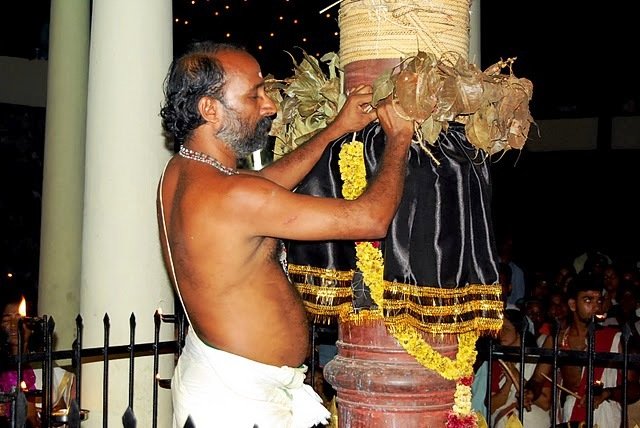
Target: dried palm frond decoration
(493,105)
(307,102)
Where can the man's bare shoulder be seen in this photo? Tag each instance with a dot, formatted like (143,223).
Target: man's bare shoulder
(238,200)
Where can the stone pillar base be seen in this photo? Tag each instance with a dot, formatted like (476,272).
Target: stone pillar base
(379,385)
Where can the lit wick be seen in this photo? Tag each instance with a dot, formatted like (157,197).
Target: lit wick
(23,385)
(22,310)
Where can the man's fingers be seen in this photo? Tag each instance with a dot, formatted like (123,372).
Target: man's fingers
(360,89)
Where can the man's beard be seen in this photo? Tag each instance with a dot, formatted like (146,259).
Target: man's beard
(241,137)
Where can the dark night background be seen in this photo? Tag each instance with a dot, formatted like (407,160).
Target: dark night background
(557,203)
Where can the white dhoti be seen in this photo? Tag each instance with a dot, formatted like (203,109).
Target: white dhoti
(608,413)
(219,389)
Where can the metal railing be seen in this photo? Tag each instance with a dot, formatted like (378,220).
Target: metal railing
(557,357)
(73,415)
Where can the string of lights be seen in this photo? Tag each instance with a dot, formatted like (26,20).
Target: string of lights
(267,28)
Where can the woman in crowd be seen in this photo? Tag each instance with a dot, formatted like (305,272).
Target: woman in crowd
(505,379)
(10,300)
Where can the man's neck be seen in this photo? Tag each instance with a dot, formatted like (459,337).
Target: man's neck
(579,328)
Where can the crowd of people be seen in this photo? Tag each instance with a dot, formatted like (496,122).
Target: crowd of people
(593,287)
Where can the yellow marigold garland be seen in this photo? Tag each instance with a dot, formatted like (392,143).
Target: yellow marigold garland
(371,263)
(352,170)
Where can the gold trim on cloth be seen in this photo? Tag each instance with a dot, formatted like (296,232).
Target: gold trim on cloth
(475,307)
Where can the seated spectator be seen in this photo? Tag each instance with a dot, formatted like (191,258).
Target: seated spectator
(10,300)
(585,302)
(63,380)
(611,282)
(536,316)
(504,277)
(505,379)
(558,309)
(563,277)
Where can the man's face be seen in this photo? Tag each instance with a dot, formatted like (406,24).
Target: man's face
(506,286)
(586,305)
(246,108)
(534,312)
(558,307)
(242,136)
(611,280)
(10,318)
(508,335)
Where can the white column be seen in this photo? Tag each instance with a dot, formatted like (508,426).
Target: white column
(122,270)
(475,51)
(63,175)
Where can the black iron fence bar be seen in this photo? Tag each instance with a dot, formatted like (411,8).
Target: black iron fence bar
(80,356)
(554,374)
(105,371)
(19,368)
(523,333)
(489,374)
(590,368)
(574,358)
(47,370)
(77,356)
(626,335)
(312,363)
(182,330)
(140,350)
(589,357)
(132,344)
(17,419)
(115,352)
(156,367)
(534,354)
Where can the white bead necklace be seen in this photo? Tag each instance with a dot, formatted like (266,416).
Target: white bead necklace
(204,158)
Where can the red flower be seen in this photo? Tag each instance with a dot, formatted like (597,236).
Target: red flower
(454,420)
(466,381)
(374,244)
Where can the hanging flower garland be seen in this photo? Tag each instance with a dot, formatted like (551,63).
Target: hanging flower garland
(370,262)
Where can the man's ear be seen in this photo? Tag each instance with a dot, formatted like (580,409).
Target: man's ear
(572,304)
(209,109)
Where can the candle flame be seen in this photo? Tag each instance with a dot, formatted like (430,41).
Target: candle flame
(23,385)
(22,309)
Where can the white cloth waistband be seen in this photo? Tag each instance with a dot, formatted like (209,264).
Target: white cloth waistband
(218,388)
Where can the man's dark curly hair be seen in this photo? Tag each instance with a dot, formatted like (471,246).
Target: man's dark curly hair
(195,74)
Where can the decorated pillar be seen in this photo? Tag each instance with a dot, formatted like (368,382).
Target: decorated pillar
(122,269)
(411,306)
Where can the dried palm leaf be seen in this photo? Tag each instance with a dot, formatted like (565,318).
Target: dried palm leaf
(493,106)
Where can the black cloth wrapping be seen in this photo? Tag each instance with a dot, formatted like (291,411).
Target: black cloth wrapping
(439,253)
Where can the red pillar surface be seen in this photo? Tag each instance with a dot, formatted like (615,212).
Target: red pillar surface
(379,385)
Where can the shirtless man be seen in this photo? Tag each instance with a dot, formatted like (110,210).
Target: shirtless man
(585,301)
(242,362)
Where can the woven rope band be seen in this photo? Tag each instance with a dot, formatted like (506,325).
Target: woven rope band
(376,29)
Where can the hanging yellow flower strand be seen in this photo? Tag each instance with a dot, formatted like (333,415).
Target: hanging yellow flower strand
(370,262)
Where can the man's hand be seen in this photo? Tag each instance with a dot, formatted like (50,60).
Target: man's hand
(528,399)
(357,111)
(606,394)
(394,120)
